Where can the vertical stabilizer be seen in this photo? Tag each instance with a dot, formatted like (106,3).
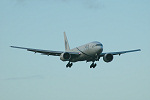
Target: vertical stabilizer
(67,48)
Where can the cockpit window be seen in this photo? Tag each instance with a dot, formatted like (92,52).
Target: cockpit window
(98,45)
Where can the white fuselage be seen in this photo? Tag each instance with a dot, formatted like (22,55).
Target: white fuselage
(88,52)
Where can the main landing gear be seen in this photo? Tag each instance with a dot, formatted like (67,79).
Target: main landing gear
(69,65)
(93,65)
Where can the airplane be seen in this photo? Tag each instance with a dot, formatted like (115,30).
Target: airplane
(89,52)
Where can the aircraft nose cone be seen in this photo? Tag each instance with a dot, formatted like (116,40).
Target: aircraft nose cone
(99,49)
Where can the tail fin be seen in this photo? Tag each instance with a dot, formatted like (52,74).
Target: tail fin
(67,48)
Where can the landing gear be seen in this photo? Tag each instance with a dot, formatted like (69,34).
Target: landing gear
(93,65)
(69,65)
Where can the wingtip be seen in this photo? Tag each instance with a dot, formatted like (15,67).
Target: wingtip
(18,47)
(12,46)
(139,49)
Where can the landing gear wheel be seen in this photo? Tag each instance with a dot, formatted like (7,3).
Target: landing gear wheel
(69,65)
(93,65)
(90,66)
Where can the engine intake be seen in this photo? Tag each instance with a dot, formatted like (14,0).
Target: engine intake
(108,57)
(65,56)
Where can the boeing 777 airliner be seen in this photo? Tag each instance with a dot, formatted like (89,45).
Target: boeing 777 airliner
(89,52)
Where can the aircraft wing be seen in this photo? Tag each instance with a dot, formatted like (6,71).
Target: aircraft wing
(119,53)
(46,52)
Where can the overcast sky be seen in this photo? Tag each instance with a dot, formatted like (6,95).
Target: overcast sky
(117,24)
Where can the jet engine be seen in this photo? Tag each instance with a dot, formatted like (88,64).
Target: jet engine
(65,56)
(108,57)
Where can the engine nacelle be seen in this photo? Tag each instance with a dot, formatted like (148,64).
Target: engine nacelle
(65,56)
(108,57)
